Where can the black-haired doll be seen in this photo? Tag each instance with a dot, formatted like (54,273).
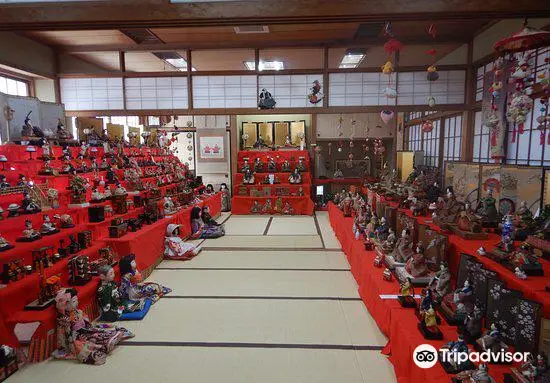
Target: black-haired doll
(226,197)
(131,286)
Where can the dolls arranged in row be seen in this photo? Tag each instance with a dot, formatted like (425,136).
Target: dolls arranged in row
(272,166)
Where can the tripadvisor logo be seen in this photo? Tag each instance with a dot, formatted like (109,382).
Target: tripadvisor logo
(426,356)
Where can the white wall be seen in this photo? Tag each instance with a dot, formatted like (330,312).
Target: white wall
(457,57)
(327,125)
(45,90)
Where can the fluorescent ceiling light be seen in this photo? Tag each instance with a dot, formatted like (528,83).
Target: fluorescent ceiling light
(174,59)
(265,65)
(351,60)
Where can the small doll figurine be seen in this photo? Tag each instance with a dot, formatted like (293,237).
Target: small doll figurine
(255,208)
(200,229)
(13,210)
(48,227)
(428,325)
(3,183)
(176,248)
(248,178)
(406,294)
(4,244)
(245,166)
(131,286)
(301,166)
(22,180)
(288,209)
(79,339)
(258,165)
(295,178)
(97,196)
(207,218)
(271,165)
(226,197)
(285,167)
(113,308)
(29,234)
(288,143)
(416,265)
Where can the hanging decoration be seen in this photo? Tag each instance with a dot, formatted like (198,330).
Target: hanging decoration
(349,162)
(427,126)
(352,133)
(266,100)
(315,95)
(391,47)
(432,74)
(340,127)
(330,149)
(379,148)
(526,39)
(544,121)
(386,116)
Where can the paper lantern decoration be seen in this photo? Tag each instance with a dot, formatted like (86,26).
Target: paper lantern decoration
(386,116)
(526,39)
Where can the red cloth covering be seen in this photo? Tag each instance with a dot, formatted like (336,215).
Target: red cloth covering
(147,244)
(279,156)
(283,177)
(301,205)
(397,323)
(340,181)
(292,189)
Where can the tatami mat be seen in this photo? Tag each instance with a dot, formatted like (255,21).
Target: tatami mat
(266,241)
(292,225)
(317,259)
(330,240)
(258,283)
(257,321)
(207,365)
(246,225)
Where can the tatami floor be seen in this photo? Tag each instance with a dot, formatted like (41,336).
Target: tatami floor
(272,301)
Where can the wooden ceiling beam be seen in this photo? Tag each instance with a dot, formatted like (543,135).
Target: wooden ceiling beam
(336,43)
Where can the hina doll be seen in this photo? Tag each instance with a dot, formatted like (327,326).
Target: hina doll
(22,180)
(245,166)
(77,338)
(472,326)
(48,227)
(266,209)
(271,165)
(449,212)
(278,208)
(248,178)
(288,209)
(29,234)
(492,340)
(479,375)
(97,196)
(225,197)
(199,229)
(428,325)
(258,166)
(406,294)
(441,281)
(382,230)
(285,167)
(301,166)
(28,205)
(389,243)
(459,303)
(371,227)
(112,307)
(175,247)
(131,285)
(296,178)
(255,208)
(457,365)
(488,210)
(3,183)
(403,247)
(416,265)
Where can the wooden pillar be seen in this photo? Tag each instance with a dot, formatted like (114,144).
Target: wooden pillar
(468,117)
(189,80)
(257,71)
(234,134)
(325,78)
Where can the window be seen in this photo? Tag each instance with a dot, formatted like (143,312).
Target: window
(481,151)
(431,145)
(452,140)
(415,138)
(14,87)
(482,71)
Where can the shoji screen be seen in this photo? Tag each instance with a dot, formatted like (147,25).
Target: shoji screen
(156,93)
(224,92)
(103,93)
(359,89)
(414,88)
(291,91)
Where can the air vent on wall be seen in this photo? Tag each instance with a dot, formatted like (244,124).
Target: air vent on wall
(142,36)
(369,30)
(243,29)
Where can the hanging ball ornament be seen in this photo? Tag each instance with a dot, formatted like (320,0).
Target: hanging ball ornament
(339,150)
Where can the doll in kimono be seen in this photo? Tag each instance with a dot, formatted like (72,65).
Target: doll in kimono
(288,209)
(258,165)
(285,167)
(226,197)
(255,208)
(207,217)
(77,338)
(271,165)
(112,307)
(131,285)
(295,178)
(175,247)
(200,229)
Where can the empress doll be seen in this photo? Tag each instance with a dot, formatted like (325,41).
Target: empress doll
(77,338)
(226,197)
(177,248)
(131,286)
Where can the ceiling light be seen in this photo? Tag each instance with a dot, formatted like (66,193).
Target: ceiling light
(352,59)
(174,59)
(265,65)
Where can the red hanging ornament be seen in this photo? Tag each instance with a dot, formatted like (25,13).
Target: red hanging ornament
(432,30)
(393,45)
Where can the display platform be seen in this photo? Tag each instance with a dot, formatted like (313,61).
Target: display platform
(398,324)
(280,197)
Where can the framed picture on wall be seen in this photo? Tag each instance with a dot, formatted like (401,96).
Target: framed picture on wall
(211,145)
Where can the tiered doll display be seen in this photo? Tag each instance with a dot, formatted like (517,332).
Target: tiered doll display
(272,182)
